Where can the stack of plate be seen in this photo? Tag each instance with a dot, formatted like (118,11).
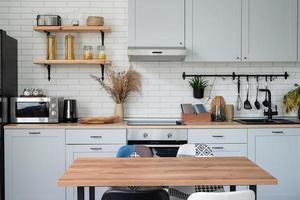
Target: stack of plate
(95,21)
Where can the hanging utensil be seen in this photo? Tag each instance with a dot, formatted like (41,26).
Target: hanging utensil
(266,102)
(247,104)
(239,100)
(256,103)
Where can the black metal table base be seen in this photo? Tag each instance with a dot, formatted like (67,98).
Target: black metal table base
(80,192)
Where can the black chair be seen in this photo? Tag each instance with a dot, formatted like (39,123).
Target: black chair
(135,195)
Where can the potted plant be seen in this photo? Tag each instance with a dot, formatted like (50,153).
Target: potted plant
(198,84)
(291,100)
(119,85)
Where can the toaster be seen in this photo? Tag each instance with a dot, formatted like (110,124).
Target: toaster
(48,20)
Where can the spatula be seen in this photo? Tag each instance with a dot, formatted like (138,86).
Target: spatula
(247,104)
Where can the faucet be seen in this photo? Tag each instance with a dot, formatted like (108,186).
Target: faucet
(269,113)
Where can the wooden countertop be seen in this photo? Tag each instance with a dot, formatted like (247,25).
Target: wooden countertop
(205,125)
(184,171)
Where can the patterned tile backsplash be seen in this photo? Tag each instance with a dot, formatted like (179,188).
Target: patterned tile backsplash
(163,87)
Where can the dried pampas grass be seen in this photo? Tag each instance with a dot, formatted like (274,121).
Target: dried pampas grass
(121,84)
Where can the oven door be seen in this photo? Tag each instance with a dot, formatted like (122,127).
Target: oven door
(33,110)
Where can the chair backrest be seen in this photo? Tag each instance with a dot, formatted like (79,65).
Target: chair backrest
(135,195)
(134,151)
(196,150)
(240,195)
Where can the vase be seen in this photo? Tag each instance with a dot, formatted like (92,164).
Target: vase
(198,93)
(119,112)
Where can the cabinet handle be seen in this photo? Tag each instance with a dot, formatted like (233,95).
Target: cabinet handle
(96,148)
(278,132)
(218,136)
(96,136)
(217,147)
(34,133)
(157,52)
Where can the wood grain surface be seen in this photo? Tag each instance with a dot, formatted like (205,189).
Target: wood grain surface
(73,28)
(164,172)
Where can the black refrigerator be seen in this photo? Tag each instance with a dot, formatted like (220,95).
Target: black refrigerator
(8,88)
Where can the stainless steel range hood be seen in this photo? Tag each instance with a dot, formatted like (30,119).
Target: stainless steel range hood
(161,54)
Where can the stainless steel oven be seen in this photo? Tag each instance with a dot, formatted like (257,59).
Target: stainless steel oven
(163,142)
(36,109)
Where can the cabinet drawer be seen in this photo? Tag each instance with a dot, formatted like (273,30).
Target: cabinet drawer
(217,136)
(229,149)
(34,132)
(276,131)
(96,136)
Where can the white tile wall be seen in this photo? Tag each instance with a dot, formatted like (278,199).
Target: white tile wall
(163,87)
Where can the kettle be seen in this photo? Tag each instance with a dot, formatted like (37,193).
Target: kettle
(70,111)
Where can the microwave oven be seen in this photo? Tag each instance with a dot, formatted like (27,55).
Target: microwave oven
(36,109)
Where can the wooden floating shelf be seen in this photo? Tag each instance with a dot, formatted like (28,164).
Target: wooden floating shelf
(71,62)
(86,29)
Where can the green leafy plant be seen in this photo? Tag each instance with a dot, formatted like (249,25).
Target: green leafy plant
(198,83)
(291,100)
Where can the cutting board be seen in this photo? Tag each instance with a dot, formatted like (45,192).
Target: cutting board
(98,120)
(218,101)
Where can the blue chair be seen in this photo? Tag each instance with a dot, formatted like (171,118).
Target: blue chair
(134,151)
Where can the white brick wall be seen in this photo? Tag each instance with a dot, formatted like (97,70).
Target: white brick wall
(163,87)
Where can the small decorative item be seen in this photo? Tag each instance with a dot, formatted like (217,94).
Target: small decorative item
(101,53)
(229,109)
(95,21)
(198,84)
(119,86)
(291,100)
(88,52)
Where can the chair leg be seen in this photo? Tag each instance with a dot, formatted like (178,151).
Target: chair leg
(92,193)
(80,193)
(254,189)
(232,188)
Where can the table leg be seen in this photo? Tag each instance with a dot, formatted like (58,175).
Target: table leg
(232,188)
(92,193)
(254,189)
(80,193)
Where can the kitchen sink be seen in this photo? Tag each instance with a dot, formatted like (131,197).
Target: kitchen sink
(266,121)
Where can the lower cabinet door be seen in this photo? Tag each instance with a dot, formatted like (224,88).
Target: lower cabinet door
(277,152)
(76,151)
(34,161)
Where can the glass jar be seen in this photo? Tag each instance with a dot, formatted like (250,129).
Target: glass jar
(87,52)
(70,47)
(51,48)
(101,53)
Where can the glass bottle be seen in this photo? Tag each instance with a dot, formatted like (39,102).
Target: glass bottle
(87,52)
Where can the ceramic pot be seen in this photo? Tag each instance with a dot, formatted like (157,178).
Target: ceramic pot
(198,93)
(119,111)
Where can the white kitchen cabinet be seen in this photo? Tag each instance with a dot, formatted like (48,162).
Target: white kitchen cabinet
(92,143)
(269,30)
(34,160)
(213,30)
(156,23)
(278,152)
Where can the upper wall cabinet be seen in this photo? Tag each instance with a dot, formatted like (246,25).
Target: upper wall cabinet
(156,23)
(269,30)
(213,30)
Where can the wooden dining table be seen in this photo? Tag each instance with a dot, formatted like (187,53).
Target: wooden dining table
(182,171)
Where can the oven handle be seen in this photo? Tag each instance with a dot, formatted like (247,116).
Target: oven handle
(161,145)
